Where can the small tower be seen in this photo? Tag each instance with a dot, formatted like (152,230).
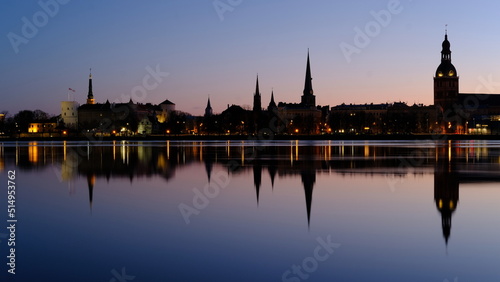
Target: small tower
(69,113)
(257,107)
(308,98)
(272,105)
(90,96)
(208,109)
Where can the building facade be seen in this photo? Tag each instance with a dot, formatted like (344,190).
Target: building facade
(121,118)
(69,114)
(462,113)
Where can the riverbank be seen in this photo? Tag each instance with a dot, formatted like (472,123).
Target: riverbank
(255,137)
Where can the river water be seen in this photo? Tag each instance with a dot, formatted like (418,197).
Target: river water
(252,211)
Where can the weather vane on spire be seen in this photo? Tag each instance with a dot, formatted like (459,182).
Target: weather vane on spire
(446,28)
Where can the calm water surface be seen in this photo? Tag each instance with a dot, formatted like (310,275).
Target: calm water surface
(250,211)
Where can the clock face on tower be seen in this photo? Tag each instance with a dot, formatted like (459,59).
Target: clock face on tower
(440,74)
(451,73)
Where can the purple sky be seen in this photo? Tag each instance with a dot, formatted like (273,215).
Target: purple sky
(217,47)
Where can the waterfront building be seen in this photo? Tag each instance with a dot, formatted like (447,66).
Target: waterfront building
(473,113)
(69,114)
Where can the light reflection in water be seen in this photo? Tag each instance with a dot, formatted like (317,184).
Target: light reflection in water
(316,168)
(33,152)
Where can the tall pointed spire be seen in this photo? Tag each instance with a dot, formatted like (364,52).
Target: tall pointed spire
(308,98)
(90,95)
(308,90)
(257,92)
(257,106)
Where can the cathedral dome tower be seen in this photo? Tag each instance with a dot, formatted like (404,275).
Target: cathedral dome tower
(446,89)
(446,68)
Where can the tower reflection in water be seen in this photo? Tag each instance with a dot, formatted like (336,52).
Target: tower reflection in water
(446,187)
(451,163)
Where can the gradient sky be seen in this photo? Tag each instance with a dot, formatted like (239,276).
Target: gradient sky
(209,53)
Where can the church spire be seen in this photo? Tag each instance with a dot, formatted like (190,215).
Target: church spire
(272,105)
(308,90)
(208,109)
(446,52)
(90,95)
(257,92)
(446,68)
(308,99)
(257,107)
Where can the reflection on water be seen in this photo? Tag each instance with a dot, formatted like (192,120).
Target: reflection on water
(399,162)
(451,162)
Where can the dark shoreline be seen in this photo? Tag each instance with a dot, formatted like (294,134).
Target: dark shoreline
(263,138)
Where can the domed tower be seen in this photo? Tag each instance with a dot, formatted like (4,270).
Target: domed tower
(446,86)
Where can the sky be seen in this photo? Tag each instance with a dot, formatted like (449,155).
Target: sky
(373,51)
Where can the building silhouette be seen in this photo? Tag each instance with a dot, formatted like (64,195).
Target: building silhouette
(308,99)
(446,89)
(125,118)
(90,95)
(303,117)
(272,105)
(257,105)
(472,113)
(208,109)
(451,112)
